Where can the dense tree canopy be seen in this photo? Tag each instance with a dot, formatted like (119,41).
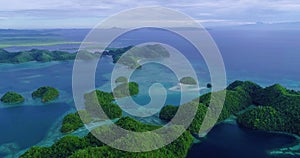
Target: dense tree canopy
(168,112)
(262,118)
(46,93)
(73,121)
(99,99)
(93,100)
(12,98)
(37,152)
(89,146)
(278,111)
(285,102)
(237,98)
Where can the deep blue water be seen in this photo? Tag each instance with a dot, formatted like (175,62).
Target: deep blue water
(27,126)
(231,141)
(262,56)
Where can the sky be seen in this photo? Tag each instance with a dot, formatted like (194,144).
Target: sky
(26,14)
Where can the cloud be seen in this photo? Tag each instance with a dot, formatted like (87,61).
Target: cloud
(222,11)
(3,18)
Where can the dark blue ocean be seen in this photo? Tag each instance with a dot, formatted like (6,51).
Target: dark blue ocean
(260,55)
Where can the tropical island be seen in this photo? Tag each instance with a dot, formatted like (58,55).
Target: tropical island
(12,98)
(275,109)
(186,84)
(46,94)
(188,81)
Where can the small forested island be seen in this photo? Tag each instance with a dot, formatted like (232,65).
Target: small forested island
(126,89)
(188,80)
(12,98)
(34,55)
(131,59)
(45,93)
(275,109)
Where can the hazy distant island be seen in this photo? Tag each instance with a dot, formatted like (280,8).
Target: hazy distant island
(188,80)
(34,55)
(45,93)
(12,98)
(135,54)
(277,109)
(186,84)
(131,60)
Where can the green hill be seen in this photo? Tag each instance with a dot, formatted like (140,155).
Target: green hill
(285,102)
